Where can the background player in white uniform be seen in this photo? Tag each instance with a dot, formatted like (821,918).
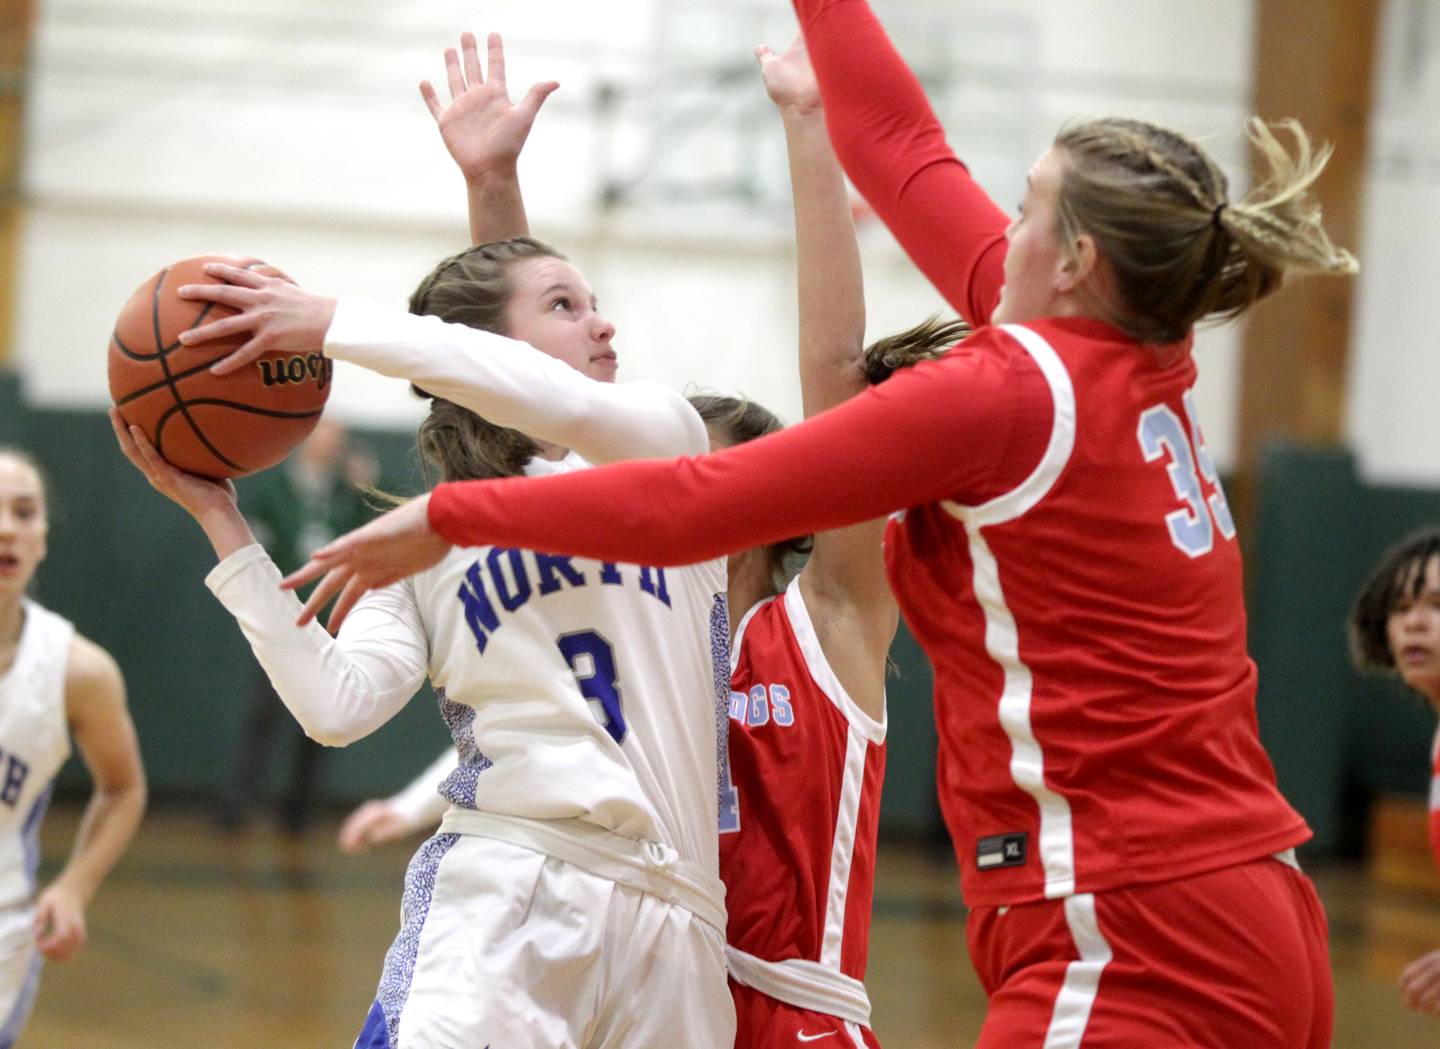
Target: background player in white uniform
(53,683)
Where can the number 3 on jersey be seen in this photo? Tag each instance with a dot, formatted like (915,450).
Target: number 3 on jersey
(592,661)
(1191,527)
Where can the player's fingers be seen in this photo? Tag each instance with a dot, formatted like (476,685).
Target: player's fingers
(224,294)
(312,569)
(151,462)
(220,329)
(40,924)
(471,54)
(60,937)
(536,96)
(763,53)
(354,590)
(237,275)
(453,75)
(122,435)
(432,100)
(495,55)
(351,838)
(323,592)
(163,477)
(237,360)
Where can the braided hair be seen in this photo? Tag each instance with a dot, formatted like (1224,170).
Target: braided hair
(1180,249)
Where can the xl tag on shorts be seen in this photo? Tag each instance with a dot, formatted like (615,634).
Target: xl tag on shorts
(1002,850)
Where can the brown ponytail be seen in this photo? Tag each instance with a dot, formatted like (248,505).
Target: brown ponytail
(472,288)
(926,341)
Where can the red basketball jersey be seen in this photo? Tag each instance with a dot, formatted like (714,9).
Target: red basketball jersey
(1434,797)
(1093,693)
(798,823)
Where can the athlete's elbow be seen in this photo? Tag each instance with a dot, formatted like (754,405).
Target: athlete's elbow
(330,731)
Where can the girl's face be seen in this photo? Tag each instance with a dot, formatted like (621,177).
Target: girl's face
(1036,270)
(22,525)
(1413,630)
(553,309)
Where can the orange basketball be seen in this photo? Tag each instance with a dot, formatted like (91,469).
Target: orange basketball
(216,427)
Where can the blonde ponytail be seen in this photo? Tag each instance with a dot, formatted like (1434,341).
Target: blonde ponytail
(1159,211)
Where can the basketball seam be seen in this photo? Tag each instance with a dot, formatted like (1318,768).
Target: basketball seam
(172,381)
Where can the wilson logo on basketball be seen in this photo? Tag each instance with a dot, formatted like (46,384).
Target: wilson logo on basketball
(311,367)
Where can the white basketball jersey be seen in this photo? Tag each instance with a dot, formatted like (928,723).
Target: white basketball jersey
(34,743)
(579,688)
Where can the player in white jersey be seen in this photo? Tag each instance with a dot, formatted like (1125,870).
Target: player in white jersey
(53,683)
(581,753)
(578,859)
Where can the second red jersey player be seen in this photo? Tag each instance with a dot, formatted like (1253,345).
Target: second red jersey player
(798,827)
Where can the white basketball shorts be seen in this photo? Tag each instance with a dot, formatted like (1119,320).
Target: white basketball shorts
(503,946)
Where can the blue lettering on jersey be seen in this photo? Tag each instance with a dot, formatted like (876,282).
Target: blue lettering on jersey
(656,586)
(505,576)
(510,599)
(548,565)
(15,773)
(480,614)
(763,705)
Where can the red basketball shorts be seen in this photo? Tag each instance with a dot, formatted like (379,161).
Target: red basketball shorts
(762,1022)
(1235,957)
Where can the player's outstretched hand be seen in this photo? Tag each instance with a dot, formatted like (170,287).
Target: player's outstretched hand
(277,315)
(790,79)
(373,823)
(1420,984)
(388,549)
(198,496)
(483,130)
(59,923)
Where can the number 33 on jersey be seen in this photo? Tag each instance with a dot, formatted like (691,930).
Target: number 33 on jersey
(1161,435)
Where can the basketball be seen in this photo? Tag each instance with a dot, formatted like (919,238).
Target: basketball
(218,427)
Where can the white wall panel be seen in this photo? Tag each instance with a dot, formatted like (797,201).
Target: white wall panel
(293,130)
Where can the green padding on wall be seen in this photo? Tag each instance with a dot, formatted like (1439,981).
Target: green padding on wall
(1332,735)
(13,415)
(908,806)
(127,566)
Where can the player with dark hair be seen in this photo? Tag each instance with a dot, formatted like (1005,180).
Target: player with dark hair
(1061,548)
(1395,628)
(54,684)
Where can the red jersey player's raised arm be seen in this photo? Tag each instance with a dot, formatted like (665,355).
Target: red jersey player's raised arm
(967,427)
(894,150)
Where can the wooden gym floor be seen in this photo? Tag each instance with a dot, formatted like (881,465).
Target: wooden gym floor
(203,940)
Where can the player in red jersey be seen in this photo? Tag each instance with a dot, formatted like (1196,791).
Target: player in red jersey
(800,802)
(1064,554)
(1395,627)
(799,815)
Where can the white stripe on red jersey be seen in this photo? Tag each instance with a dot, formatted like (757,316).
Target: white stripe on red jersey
(1435,797)
(1093,694)
(806,764)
